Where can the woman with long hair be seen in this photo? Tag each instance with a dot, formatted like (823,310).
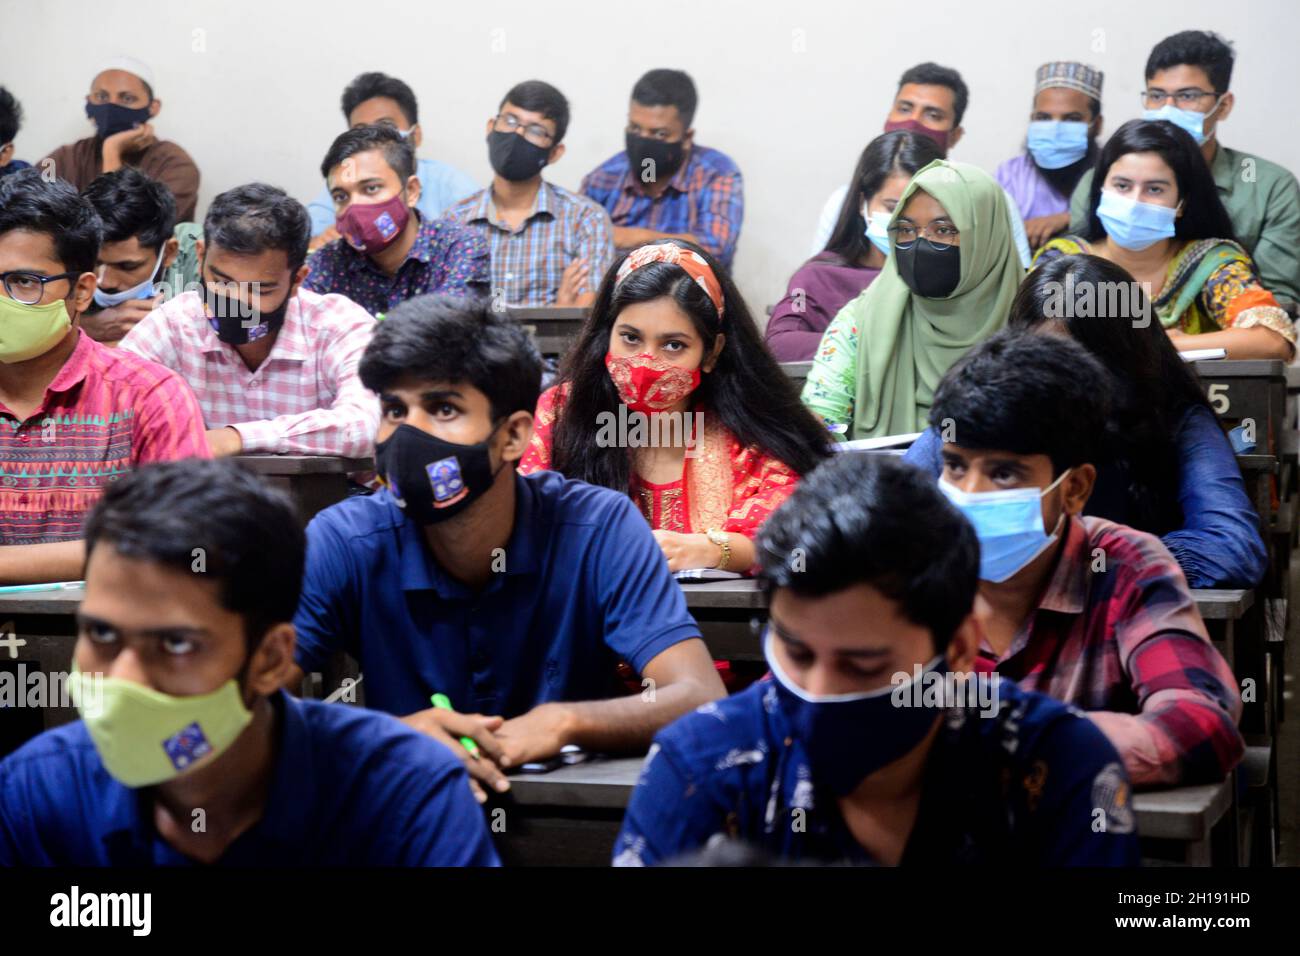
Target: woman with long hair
(670,396)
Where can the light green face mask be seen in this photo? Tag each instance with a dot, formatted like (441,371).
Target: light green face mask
(146,737)
(27,331)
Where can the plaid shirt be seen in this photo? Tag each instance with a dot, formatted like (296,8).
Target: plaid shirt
(304,399)
(527,265)
(105,412)
(705,199)
(1128,643)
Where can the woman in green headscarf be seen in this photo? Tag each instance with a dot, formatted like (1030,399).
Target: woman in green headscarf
(946,286)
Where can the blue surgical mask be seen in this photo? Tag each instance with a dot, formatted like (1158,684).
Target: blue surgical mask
(144,290)
(877,229)
(849,736)
(1135,225)
(1056,144)
(1009,525)
(1190,120)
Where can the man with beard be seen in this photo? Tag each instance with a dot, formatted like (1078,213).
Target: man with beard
(1060,148)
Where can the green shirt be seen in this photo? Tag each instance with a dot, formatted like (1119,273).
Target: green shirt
(1263,202)
(183,273)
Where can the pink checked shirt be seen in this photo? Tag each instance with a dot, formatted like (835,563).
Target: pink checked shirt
(305,399)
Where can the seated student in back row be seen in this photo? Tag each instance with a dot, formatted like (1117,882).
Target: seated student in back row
(857,249)
(515,596)
(75,415)
(1094,613)
(1188,76)
(670,346)
(851,753)
(1167,467)
(11,120)
(389,252)
(188,751)
(274,365)
(1156,213)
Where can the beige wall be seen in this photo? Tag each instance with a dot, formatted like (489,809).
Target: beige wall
(792,90)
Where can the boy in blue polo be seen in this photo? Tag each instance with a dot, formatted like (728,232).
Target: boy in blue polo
(188,751)
(864,748)
(515,596)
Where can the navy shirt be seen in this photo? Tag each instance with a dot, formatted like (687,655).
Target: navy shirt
(583,585)
(1029,786)
(350,788)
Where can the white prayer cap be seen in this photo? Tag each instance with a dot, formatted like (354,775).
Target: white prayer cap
(128,64)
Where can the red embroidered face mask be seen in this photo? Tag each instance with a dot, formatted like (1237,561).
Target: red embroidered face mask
(373,228)
(647,384)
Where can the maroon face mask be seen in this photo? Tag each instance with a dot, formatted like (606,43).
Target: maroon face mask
(373,228)
(940,136)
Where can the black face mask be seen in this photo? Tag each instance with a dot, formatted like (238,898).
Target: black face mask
(432,480)
(929,272)
(230,318)
(664,158)
(111,118)
(513,157)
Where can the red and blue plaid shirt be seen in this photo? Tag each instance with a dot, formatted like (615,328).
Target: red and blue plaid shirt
(705,199)
(1117,633)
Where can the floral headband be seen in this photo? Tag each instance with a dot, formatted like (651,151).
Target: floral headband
(690,261)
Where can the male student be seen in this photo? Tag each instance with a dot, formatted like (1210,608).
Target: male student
(177,673)
(1089,611)
(121,104)
(11,120)
(1188,80)
(376,98)
(145,257)
(931,101)
(75,415)
(515,596)
(548,246)
(838,758)
(274,365)
(664,185)
(389,251)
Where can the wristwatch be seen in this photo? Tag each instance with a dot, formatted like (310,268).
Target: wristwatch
(723,541)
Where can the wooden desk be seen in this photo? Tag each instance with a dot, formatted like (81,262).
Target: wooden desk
(797,371)
(553,328)
(44,620)
(726,612)
(1192,822)
(1242,389)
(313,482)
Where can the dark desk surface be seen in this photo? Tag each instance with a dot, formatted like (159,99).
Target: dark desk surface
(62,601)
(741,593)
(1241,368)
(1222,604)
(544,312)
(290,465)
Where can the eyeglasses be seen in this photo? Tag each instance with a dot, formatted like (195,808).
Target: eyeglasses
(535,133)
(29,287)
(1185,99)
(937,234)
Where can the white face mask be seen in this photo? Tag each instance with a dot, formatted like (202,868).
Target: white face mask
(143,290)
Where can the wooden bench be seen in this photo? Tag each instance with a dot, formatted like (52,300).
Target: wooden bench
(313,482)
(553,328)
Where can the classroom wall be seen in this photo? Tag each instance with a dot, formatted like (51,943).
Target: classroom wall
(791,90)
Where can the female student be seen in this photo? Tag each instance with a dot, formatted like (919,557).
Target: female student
(1155,211)
(947,285)
(857,248)
(720,439)
(1170,470)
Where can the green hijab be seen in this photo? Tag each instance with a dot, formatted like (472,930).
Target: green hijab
(907,342)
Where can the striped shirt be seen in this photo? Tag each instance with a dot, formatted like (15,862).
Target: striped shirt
(527,264)
(705,199)
(1116,632)
(304,399)
(105,412)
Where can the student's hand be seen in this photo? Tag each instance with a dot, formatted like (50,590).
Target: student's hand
(448,726)
(688,550)
(1179,338)
(572,282)
(1041,228)
(125,143)
(536,735)
(326,237)
(111,325)
(224,442)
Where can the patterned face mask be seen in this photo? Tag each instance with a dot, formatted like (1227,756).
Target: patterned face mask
(647,384)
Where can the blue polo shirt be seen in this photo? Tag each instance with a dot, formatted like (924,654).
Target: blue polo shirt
(582,585)
(350,788)
(1036,784)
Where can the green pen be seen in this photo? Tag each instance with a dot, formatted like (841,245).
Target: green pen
(442,703)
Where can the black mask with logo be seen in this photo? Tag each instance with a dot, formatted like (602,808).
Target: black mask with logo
(430,479)
(929,271)
(233,320)
(654,158)
(514,158)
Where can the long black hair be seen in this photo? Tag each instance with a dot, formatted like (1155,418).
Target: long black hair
(1152,387)
(747,391)
(901,151)
(1203,214)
